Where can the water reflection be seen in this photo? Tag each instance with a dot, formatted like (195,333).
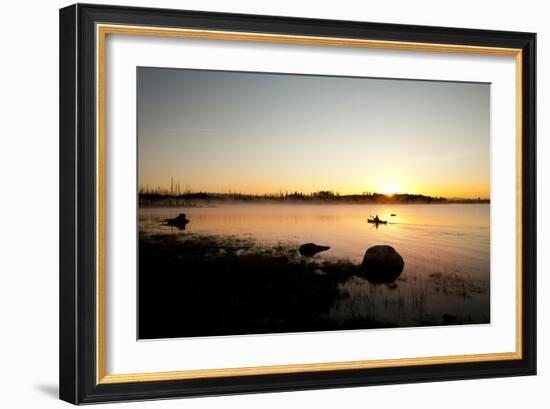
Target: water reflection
(441,237)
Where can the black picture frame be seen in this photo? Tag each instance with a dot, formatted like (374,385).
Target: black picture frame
(78,317)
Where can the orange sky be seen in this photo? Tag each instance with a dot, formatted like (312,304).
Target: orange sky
(264,133)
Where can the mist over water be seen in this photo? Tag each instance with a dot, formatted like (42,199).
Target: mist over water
(429,237)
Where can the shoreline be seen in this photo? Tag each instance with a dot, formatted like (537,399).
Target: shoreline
(223,285)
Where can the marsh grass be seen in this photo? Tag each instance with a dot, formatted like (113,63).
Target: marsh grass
(457,284)
(410,301)
(204,285)
(208,285)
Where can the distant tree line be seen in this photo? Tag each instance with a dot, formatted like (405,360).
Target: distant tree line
(176,198)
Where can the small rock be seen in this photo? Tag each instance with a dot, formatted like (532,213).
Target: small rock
(310,249)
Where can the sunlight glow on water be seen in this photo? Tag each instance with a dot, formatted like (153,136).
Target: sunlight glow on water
(433,237)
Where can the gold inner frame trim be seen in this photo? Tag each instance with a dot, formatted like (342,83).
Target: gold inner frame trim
(101,33)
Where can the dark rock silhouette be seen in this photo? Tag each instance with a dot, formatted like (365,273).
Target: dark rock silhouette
(382,265)
(310,249)
(178,221)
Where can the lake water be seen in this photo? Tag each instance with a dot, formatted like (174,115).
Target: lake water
(445,248)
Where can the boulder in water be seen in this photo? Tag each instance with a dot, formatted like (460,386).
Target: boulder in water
(382,265)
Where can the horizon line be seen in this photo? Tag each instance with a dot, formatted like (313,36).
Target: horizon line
(294,193)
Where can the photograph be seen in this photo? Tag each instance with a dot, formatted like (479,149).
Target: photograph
(290,203)
(260,201)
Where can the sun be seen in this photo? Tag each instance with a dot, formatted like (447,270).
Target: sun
(390,189)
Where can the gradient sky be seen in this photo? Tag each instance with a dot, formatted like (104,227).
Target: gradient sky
(221,131)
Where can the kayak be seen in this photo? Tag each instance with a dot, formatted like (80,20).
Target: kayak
(377,221)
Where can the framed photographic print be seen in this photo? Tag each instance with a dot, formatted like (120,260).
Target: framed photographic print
(257,203)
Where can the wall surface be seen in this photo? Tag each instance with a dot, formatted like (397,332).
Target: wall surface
(29,205)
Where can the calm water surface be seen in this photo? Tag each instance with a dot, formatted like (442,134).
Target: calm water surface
(429,237)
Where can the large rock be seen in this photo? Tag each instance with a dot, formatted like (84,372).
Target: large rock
(382,265)
(310,249)
(178,221)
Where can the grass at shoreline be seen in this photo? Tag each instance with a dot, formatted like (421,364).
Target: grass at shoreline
(206,285)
